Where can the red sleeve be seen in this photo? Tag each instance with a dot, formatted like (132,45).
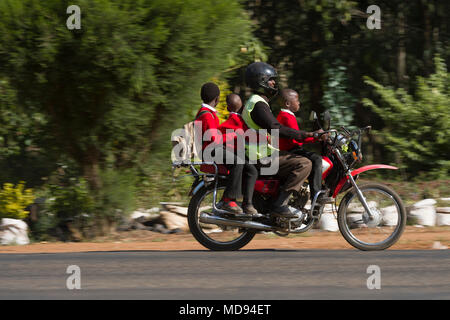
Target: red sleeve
(291,122)
(210,123)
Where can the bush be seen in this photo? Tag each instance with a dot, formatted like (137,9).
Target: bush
(13,201)
(70,204)
(117,197)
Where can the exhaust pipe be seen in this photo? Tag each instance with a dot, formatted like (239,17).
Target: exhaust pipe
(206,218)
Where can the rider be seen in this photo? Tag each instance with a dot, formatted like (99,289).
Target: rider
(257,114)
(287,118)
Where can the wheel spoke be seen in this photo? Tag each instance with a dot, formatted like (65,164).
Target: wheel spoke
(377,231)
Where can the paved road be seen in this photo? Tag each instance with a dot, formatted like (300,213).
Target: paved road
(246,274)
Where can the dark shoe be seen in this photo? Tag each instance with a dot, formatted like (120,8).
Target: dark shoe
(283,212)
(250,211)
(248,208)
(280,206)
(231,207)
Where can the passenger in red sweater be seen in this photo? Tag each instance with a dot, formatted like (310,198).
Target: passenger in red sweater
(230,129)
(287,118)
(210,94)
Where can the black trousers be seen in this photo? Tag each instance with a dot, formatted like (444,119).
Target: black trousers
(315,177)
(241,180)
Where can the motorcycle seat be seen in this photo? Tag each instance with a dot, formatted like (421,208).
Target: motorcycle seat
(208,168)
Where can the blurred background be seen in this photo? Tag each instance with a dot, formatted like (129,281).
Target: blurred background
(86,114)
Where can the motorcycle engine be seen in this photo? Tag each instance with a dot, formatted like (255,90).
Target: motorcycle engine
(300,198)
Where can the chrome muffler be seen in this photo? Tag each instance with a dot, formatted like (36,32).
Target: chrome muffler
(206,218)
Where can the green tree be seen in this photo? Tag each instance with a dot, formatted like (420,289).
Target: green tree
(417,126)
(113,90)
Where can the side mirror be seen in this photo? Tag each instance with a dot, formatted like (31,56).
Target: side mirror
(326,120)
(313,116)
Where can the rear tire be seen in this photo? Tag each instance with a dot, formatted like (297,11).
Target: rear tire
(203,238)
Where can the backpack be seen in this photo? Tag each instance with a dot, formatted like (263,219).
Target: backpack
(186,147)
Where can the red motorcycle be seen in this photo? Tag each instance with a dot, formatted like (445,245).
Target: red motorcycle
(370,216)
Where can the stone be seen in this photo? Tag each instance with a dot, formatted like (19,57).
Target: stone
(328,222)
(443,219)
(173,221)
(425,216)
(352,219)
(439,246)
(179,210)
(357,207)
(424,203)
(13,231)
(390,216)
(443,209)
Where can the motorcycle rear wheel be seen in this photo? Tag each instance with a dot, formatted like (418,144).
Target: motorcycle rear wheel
(377,234)
(201,198)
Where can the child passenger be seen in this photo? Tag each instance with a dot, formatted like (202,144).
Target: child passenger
(235,125)
(286,117)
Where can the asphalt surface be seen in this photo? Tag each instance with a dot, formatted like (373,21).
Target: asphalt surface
(245,274)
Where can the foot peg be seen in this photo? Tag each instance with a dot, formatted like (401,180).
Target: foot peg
(325,200)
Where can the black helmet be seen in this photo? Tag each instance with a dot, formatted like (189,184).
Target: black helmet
(258,75)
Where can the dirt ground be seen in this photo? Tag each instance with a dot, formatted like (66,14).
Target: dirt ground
(422,238)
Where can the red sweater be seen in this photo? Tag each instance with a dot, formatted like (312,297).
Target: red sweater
(287,119)
(234,123)
(210,121)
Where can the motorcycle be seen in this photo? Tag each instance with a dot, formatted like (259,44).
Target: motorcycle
(370,216)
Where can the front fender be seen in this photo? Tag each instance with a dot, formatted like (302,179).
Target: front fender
(196,186)
(358,171)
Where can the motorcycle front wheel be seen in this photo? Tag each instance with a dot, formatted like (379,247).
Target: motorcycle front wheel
(211,236)
(378,232)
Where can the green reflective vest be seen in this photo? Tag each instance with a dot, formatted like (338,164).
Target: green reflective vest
(254,150)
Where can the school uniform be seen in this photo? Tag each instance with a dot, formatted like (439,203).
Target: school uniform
(288,119)
(210,121)
(235,125)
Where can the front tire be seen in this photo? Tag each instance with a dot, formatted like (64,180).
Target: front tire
(361,232)
(197,231)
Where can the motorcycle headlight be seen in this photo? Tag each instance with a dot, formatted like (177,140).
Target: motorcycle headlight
(340,140)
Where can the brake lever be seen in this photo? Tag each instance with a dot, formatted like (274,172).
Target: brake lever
(346,131)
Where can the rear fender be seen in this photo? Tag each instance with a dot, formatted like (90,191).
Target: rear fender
(358,171)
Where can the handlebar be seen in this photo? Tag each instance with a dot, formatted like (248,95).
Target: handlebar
(347,134)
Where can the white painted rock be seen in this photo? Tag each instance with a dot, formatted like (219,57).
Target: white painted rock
(328,208)
(443,209)
(390,216)
(443,219)
(439,246)
(140,214)
(354,219)
(328,222)
(426,216)
(180,210)
(13,231)
(424,203)
(357,207)
(174,221)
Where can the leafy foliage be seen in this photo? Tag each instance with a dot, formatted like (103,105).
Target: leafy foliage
(72,202)
(118,86)
(418,126)
(336,98)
